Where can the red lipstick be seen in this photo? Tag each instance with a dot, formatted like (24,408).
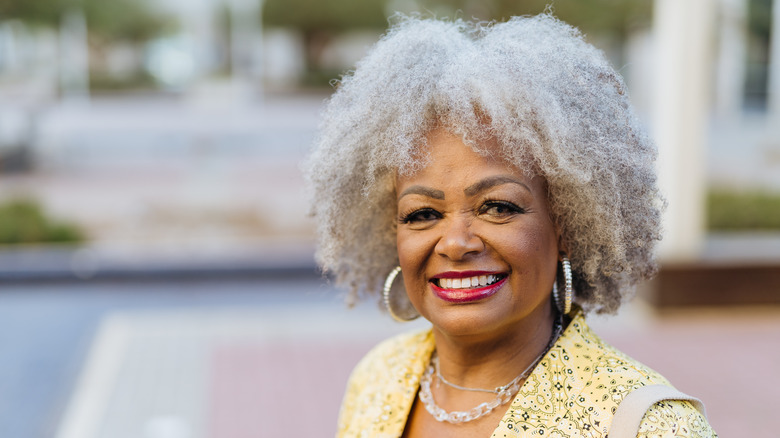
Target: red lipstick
(466,295)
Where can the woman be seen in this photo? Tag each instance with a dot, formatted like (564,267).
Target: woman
(501,167)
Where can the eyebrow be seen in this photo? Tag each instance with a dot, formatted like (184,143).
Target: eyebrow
(422,190)
(491,182)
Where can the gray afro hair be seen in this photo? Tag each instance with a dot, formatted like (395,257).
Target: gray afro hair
(557,109)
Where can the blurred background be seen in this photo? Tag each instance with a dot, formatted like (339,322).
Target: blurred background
(157,277)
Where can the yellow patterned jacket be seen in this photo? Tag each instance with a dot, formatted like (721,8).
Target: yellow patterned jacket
(572,392)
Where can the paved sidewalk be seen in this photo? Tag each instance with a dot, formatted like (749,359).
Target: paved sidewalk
(281,371)
(226,259)
(236,373)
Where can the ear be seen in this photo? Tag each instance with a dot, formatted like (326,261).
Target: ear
(563,248)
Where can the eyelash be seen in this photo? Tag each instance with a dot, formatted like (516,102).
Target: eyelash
(487,205)
(411,216)
(511,207)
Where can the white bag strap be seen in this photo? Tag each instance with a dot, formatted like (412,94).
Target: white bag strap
(625,423)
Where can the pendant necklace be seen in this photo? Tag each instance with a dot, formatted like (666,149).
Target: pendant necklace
(503,393)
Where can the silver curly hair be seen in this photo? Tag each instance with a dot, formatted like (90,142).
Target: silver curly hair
(557,109)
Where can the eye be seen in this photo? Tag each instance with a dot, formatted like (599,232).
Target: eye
(500,209)
(421,215)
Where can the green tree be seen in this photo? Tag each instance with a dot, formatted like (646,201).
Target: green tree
(23,221)
(612,16)
(319,20)
(130,20)
(39,12)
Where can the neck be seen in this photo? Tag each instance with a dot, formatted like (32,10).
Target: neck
(491,361)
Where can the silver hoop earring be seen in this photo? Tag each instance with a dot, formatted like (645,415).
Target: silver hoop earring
(563,303)
(400,308)
(568,290)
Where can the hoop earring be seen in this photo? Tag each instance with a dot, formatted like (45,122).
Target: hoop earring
(401,313)
(568,290)
(563,303)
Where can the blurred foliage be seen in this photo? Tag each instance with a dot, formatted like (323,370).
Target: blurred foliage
(141,80)
(318,78)
(759,32)
(743,211)
(760,16)
(319,20)
(46,12)
(23,221)
(601,16)
(130,20)
(333,15)
(336,15)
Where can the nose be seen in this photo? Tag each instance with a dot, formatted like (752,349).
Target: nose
(458,239)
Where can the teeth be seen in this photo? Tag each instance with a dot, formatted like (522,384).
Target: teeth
(468,282)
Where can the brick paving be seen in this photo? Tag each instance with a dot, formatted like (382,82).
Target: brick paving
(269,372)
(281,371)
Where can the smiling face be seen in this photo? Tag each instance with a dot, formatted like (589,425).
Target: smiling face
(476,243)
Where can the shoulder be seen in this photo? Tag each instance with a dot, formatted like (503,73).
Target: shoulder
(578,384)
(388,354)
(382,386)
(608,376)
(674,418)
(597,361)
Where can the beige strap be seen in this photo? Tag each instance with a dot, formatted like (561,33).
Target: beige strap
(629,414)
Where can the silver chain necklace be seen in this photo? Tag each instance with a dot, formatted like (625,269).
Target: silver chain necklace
(503,393)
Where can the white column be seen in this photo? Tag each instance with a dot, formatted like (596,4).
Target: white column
(74,58)
(683,31)
(732,57)
(774,63)
(246,44)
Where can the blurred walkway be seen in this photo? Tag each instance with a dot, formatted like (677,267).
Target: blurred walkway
(229,373)
(281,370)
(186,175)
(173,174)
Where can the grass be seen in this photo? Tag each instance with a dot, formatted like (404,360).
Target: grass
(136,82)
(743,211)
(23,221)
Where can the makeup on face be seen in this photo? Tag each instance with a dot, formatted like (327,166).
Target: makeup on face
(466,286)
(475,240)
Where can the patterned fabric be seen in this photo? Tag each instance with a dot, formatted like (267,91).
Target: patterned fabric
(572,392)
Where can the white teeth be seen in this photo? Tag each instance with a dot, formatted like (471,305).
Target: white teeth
(468,282)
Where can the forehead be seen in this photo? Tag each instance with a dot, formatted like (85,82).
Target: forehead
(445,157)
(441,146)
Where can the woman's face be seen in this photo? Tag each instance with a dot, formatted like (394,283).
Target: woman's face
(477,247)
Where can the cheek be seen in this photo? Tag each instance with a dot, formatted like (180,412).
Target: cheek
(412,260)
(409,252)
(531,250)
(414,253)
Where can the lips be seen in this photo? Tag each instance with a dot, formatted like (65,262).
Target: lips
(467,286)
